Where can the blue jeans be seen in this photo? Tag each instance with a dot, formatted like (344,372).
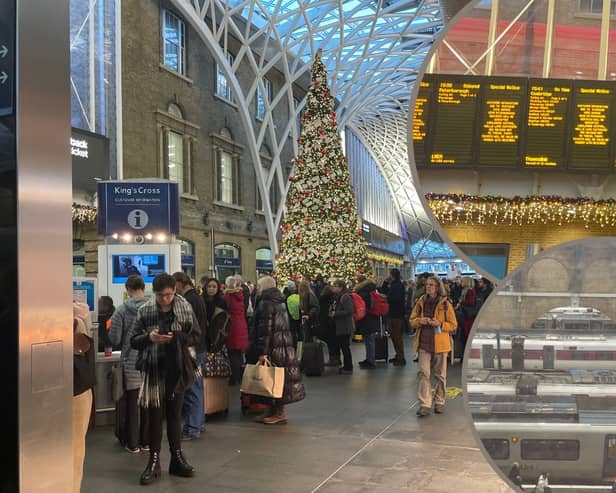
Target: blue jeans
(369,340)
(193,408)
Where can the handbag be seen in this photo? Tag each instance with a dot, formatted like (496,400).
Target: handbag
(263,379)
(217,364)
(117,382)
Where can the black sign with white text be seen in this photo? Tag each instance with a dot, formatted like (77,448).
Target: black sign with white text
(7,58)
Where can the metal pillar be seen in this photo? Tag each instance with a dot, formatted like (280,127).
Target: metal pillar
(549,39)
(604,45)
(489,68)
(44,242)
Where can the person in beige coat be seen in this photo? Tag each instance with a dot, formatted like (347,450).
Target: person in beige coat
(434,319)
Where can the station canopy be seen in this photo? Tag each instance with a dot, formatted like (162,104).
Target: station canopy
(372,49)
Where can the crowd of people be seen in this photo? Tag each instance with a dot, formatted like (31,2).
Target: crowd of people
(165,339)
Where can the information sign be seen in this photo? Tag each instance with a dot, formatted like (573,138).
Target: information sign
(546,120)
(501,112)
(138,207)
(455,112)
(7,57)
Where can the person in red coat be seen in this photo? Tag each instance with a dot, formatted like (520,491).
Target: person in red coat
(468,300)
(237,340)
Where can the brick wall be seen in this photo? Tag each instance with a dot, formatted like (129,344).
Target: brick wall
(518,237)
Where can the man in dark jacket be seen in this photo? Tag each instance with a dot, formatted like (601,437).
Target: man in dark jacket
(343,318)
(194,401)
(394,289)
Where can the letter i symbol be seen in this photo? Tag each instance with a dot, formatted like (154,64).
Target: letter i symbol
(137,219)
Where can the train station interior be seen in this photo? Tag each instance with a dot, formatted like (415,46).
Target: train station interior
(296,140)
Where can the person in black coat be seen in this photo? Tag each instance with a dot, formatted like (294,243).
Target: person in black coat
(394,289)
(369,325)
(273,341)
(342,316)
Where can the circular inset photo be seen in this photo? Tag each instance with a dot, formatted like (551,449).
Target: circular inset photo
(540,371)
(511,131)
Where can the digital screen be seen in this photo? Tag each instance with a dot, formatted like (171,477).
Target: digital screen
(456,102)
(420,127)
(514,122)
(501,113)
(592,126)
(546,133)
(147,266)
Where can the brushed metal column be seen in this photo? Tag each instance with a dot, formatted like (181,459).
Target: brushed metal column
(44,236)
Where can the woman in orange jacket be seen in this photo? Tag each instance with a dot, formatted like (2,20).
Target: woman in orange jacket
(433,318)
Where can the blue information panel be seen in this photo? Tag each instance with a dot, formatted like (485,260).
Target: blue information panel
(138,207)
(84,291)
(7,57)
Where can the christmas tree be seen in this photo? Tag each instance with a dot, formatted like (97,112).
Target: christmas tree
(321,233)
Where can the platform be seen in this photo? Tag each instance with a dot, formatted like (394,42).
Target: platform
(353,433)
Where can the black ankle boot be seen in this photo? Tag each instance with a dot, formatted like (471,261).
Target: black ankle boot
(178,465)
(152,470)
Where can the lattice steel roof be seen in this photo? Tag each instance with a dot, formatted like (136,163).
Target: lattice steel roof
(372,50)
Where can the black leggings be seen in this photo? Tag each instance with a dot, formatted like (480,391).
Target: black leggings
(236,358)
(344,343)
(138,426)
(173,410)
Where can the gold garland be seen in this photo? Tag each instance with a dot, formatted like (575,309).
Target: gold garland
(521,211)
(84,214)
(386,259)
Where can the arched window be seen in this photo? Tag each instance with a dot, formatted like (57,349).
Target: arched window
(227,168)
(177,141)
(265,261)
(227,260)
(187,250)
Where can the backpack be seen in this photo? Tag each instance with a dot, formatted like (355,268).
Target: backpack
(379,305)
(293,306)
(359,307)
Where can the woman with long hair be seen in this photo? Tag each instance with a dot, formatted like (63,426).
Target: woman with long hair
(434,319)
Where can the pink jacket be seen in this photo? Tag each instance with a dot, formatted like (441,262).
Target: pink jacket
(238,335)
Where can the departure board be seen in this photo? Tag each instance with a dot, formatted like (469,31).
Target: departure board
(501,111)
(593,126)
(546,122)
(455,113)
(515,122)
(420,126)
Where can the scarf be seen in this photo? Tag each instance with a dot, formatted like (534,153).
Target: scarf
(152,388)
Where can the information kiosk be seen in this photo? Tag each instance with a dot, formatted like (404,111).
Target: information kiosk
(139,221)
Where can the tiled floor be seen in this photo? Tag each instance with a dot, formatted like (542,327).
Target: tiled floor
(353,433)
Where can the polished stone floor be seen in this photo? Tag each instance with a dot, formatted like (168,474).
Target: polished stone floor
(353,433)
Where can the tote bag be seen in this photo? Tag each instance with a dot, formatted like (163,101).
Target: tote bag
(263,379)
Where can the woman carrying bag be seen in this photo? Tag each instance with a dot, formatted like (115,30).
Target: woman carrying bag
(273,341)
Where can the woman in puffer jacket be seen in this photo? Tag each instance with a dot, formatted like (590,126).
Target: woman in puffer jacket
(237,340)
(274,342)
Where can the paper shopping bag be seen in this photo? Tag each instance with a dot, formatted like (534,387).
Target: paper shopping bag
(263,379)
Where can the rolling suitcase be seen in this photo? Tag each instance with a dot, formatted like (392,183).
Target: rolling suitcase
(216,391)
(313,361)
(381,344)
